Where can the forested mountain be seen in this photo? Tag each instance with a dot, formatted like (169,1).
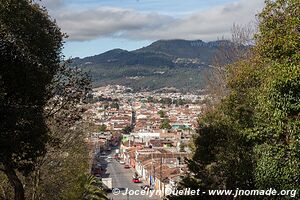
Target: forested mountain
(181,64)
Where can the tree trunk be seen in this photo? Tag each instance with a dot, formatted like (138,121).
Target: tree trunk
(15,182)
(36,181)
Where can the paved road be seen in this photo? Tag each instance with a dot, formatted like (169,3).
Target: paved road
(122,180)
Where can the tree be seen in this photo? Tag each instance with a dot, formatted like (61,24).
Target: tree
(161,113)
(58,174)
(127,129)
(229,51)
(30,47)
(115,105)
(102,128)
(93,189)
(276,116)
(251,139)
(167,101)
(152,99)
(165,124)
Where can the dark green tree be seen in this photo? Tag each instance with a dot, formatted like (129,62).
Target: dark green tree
(115,105)
(161,113)
(276,116)
(127,129)
(30,46)
(102,128)
(251,139)
(165,124)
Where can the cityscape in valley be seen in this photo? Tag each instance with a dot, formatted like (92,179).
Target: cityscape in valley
(143,137)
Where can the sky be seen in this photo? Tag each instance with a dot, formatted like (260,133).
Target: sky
(96,26)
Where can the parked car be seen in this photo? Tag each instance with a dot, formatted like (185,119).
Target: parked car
(136,180)
(98,175)
(126,166)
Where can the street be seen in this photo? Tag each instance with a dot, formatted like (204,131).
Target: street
(122,182)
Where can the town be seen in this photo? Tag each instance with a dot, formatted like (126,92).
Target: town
(144,137)
(149,100)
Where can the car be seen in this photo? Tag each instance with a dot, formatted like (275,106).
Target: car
(122,162)
(98,176)
(136,180)
(126,166)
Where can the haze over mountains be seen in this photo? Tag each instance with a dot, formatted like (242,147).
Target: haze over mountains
(179,64)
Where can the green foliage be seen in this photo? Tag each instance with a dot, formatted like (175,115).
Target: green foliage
(222,158)
(161,113)
(61,177)
(115,105)
(127,129)
(165,124)
(251,140)
(102,128)
(39,99)
(161,64)
(278,39)
(30,57)
(148,78)
(180,102)
(278,104)
(167,101)
(92,188)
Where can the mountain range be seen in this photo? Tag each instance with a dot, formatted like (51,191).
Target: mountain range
(178,64)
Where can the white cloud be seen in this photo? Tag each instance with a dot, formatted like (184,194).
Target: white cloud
(130,24)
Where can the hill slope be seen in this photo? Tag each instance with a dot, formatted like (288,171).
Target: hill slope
(181,64)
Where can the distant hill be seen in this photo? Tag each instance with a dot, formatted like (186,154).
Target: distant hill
(180,64)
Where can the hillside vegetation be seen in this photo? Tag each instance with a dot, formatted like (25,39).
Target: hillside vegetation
(181,64)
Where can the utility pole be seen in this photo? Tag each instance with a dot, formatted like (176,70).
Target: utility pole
(161,167)
(161,178)
(153,167)
(151,180)
(129,141)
